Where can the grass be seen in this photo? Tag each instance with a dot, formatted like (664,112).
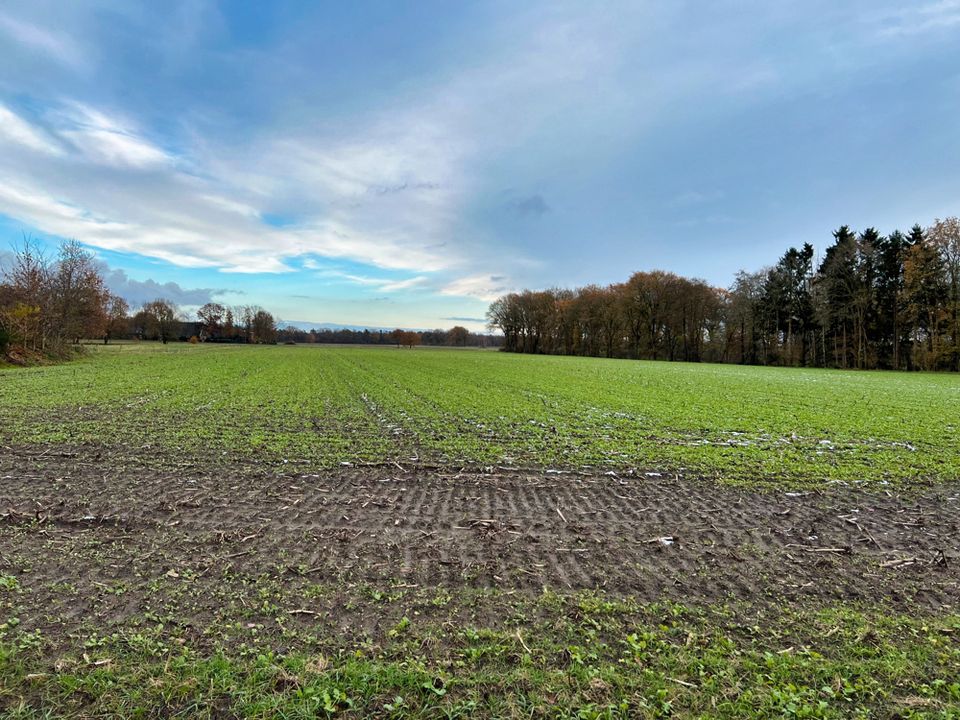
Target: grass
(319,406)
(553,656)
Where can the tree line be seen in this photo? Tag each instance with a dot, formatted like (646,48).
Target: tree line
(872,301)
(49,303)
(457,336)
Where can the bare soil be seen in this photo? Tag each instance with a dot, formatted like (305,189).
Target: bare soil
(94,546)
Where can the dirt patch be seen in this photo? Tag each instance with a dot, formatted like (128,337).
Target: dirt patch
(97,546)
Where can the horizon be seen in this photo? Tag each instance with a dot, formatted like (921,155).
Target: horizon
(389,166)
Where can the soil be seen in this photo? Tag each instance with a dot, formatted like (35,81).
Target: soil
(96,546)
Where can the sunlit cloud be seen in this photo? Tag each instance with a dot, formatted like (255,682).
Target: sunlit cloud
(484,287)
(107,140)
(15,129)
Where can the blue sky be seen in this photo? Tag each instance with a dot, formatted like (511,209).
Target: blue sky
(388,163)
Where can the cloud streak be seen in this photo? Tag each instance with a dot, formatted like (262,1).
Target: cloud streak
(14,129)
(483,287)
(41,40)
(920,19)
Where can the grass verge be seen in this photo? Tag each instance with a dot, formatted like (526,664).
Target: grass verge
(554,656)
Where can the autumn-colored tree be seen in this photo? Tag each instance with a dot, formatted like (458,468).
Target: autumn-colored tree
(28,299)
(80,297)
(458,336)
(944,236)
(263,327)
(116,323)
(874,301)
(211,317)
(48,303)
(926,295)
(160,317)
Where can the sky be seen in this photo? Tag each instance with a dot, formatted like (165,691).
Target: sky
(392,163)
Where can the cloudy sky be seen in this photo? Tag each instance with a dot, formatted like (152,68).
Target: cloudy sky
(403,163)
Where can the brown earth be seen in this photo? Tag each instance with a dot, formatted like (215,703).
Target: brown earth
(96,547)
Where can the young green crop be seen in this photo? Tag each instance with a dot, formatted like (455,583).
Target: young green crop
(585,656)
(321,406)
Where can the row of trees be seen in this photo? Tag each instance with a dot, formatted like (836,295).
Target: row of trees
(456,336)
(873,301)
(49,303)
(243,323)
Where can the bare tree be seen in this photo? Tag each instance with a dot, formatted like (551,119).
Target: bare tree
(80,298)
(116,318)
(26,310)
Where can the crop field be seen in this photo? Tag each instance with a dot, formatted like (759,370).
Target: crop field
(299,532)
(320,407)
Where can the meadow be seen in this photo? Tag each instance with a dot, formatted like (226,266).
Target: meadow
(300,532)
(321,406)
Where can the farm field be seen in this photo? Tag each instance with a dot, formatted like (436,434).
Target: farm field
(221,531)
(316,407)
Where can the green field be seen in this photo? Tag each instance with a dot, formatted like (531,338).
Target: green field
(300,532)
(319,407)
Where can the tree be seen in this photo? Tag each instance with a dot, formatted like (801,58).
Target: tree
(745,336)
(263,328)
(160,317)
(80,297)
(787,305)
(840,284)
(211,317)
(889,258)
(504,315)
(27,309)
(458,336)
(229,329)
(116,323)
(944,236)
(925,293)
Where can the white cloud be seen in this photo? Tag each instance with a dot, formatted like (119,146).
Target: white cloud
(51,44)
(390,189)
(381,284)
(404,284)
(15,129)
(232,205)
(107,140)
(483,287)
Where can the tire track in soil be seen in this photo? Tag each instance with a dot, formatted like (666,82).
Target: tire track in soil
(98,527)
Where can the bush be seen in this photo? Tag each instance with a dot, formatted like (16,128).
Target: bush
(4,339)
